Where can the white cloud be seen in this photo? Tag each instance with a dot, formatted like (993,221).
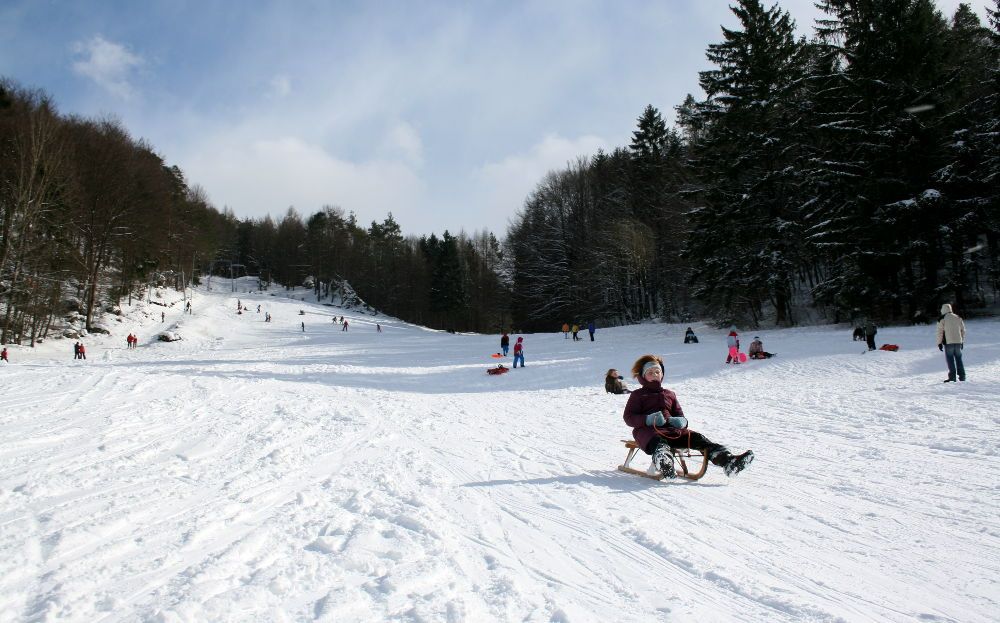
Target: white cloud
(281,86)
(402,142)
(503,186)
(108,64)
(260,176)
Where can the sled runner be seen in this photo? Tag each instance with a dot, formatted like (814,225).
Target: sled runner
(679,454)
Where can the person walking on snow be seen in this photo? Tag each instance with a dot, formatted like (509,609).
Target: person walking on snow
(576,330)
(565,330)
(591,327)
(519,352)
(658,423)
(76,350)
(870,332)
(951,340)
(344,328)
(3,355)
(504,343)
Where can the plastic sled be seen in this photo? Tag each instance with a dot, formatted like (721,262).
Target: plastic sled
(743,357)
(679,454)
(498,370)
(497,355)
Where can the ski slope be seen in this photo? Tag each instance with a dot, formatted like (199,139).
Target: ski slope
(256,472)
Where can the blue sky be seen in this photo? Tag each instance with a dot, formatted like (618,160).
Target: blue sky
(445,113)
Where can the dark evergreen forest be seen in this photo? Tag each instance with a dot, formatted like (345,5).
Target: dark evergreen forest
(854,173)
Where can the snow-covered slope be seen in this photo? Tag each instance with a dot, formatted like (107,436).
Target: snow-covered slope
(256,472)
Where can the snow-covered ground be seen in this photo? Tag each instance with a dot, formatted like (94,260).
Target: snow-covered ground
(256,472)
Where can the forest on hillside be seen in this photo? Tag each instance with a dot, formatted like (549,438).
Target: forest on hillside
(853,173)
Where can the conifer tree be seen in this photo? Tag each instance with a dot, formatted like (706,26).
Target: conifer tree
(744,238)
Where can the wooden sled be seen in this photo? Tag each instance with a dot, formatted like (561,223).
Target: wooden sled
(679,454)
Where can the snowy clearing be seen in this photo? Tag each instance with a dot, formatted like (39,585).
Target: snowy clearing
(255,472)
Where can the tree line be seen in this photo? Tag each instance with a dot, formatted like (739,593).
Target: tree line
(851,173)
(854,173)
(88,215)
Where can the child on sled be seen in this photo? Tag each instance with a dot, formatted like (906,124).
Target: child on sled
(658,423)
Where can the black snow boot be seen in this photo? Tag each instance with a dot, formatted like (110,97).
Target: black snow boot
(665,461)
(738,463)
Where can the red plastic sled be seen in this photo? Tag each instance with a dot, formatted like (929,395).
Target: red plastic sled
(889,347)
(498,370)
(496,356)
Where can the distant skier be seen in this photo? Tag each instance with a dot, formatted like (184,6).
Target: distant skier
(303,327)
(378,327)
(504,343)
(951,340)
(344,327)
(658,423)
(591,328)
(519,352)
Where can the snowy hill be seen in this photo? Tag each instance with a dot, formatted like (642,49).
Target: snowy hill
(254,471)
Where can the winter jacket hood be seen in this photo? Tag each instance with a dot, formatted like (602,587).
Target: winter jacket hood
(945,309)
(951,329)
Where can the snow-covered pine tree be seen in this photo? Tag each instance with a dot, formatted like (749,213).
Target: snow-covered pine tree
(745,234)
(873,224)
(656,178)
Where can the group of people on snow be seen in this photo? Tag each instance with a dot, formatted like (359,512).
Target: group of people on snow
(131,341)
(575,330)
(79,351)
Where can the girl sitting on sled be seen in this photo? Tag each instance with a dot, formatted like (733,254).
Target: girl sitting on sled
(658,423)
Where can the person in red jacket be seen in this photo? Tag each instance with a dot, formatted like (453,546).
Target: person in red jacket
(3,355)
(658,423)
(83,351)
(519,352)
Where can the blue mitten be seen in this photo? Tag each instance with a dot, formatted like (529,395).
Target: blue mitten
(677,421)
(655,419)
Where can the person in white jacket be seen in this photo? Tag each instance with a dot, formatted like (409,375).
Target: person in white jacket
(951,339)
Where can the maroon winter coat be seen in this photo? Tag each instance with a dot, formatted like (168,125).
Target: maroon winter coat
(650,397)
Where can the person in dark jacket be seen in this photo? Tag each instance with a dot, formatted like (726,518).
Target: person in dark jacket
(870,332)
(690,337)
(504,343)
(658,423)
(591,328)
(613,383)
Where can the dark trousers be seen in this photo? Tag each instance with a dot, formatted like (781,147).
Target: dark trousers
(953,354)
(871,341)
(718,453)
(591,336)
